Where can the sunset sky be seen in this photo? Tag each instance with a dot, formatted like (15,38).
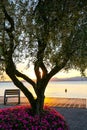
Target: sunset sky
(62,74)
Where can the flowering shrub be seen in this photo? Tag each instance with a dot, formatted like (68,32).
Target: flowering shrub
(22,118)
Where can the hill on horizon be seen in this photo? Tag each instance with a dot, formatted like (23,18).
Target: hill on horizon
(70,79)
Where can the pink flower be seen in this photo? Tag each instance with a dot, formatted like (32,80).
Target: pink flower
(20,117)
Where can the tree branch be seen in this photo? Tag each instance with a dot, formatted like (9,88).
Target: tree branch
(57,68)
(37,71)
(61,65)
(9,18)
(10,29)
(26,78)
(43,69)
(20,85)
(39,63)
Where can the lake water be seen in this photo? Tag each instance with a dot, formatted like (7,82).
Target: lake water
(67,89)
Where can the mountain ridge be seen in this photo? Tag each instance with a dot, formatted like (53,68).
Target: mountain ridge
(70,79)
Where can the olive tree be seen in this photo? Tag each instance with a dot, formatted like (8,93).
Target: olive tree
(52,35)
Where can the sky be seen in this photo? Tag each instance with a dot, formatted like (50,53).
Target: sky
(70,73)
(62,74)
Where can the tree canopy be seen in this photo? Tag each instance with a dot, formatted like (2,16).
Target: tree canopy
(57,29)
(49,34)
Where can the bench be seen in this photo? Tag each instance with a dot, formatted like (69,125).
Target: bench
(11,93)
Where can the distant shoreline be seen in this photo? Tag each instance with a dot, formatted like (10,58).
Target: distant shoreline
(70,79)
(51,81)
(67,80)
(54,80)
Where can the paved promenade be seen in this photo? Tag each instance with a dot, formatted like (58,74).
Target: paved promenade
(75,117)
(74,110)
(54,102)
(66,102)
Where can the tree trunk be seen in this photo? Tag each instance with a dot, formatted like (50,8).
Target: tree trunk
(41,85)
(36,104)
(39,104)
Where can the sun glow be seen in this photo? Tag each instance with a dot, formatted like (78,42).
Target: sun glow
(70,73)
(31,74)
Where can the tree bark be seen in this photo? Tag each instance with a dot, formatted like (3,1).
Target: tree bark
(39,103)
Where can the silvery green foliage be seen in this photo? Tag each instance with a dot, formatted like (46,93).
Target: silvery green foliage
(60,25)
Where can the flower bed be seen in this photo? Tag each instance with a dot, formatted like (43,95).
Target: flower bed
(21,118)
